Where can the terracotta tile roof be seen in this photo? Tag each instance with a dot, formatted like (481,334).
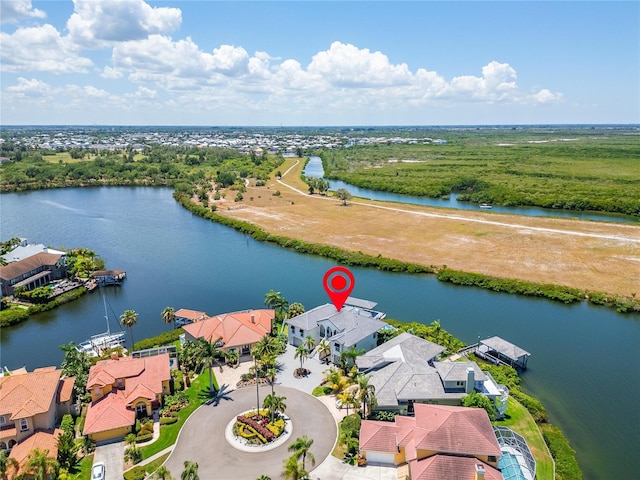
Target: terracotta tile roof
(28,394)
(108,413)
(235,329)
(65,389)
(41,439)
(446,467)
(457,430)
(143,377)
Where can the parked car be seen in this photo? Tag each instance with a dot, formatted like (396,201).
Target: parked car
(97,472)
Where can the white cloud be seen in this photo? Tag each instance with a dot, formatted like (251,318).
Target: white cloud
(40,49)
(29,88)
(349,66)
(144,92)
(97,23)
(12,11)
(546,96)
(111,73)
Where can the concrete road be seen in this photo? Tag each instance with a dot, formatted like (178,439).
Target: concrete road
(202,439)
(113,457)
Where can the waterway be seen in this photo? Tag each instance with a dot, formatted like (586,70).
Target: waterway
(584,365)
(314,169)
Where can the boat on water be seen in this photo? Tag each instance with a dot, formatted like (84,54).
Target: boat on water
(97,344)
(486,206)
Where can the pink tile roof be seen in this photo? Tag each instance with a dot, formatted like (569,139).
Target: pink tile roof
(446,429)
(235,329)
(28,394)
(143,378)
(457,430)
(447,467)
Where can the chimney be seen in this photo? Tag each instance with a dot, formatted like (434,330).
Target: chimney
(470,380)
(114,355)
(480,471)
(253,318)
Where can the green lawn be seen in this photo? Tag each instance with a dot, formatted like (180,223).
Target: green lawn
(198,394)
(85,469)
(520,420)
(142,471)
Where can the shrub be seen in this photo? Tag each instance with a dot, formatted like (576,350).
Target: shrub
(144,438)
(567,467)
(168,420)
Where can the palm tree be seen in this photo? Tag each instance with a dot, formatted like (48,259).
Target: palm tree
(301,447)
(302,352)
(272,371)
(310,343)
(162,473)
(275,300)
(293,470)
(128,319)
(295,309)
(232,357)
(274,404)
(324,350)
(266,346)
(206,353)
(336,379)
(435,325)
(346,398)
(367,393)
(263,477)
(40,465)
(7,464)
(348,357)
(169,316)
(190,471)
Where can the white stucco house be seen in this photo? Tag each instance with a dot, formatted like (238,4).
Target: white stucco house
(404,371)
(356,325)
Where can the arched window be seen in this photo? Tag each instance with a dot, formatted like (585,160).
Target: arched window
(322,331)
(3,446)
(11,444)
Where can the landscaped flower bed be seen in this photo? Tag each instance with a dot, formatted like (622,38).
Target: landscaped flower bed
(256,424)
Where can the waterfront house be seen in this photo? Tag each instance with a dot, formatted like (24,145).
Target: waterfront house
(236,331)
(43,440)
(32,272)
(404,372)
(356,326)
(123,389)
(441,441)
(31,401)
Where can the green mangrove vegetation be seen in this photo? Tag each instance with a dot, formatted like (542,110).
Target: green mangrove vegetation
(573,169)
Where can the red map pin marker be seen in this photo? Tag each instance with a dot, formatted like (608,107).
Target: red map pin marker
(338,283)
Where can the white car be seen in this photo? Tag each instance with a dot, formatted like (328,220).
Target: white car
(97,472)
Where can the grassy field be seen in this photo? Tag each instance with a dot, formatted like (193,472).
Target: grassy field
(520,421)
(594,256)
(573,170)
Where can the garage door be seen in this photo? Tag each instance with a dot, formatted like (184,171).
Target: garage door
(380,458)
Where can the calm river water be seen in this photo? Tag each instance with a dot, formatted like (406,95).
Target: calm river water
(584,365)
(314,169)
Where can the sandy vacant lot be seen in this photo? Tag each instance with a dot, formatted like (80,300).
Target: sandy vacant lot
(590,255)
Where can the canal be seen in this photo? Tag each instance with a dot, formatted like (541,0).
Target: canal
(584,365)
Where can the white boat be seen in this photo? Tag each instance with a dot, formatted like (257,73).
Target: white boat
(102,341)
(485,205)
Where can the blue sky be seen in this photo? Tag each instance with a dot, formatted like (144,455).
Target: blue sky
(136,62)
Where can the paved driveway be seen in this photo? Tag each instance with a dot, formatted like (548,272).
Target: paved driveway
(113,457)
(202,438)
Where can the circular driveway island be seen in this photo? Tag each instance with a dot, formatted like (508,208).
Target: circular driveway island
(202,438)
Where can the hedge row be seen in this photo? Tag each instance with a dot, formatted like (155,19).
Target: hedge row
(567,467)
(165,338)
